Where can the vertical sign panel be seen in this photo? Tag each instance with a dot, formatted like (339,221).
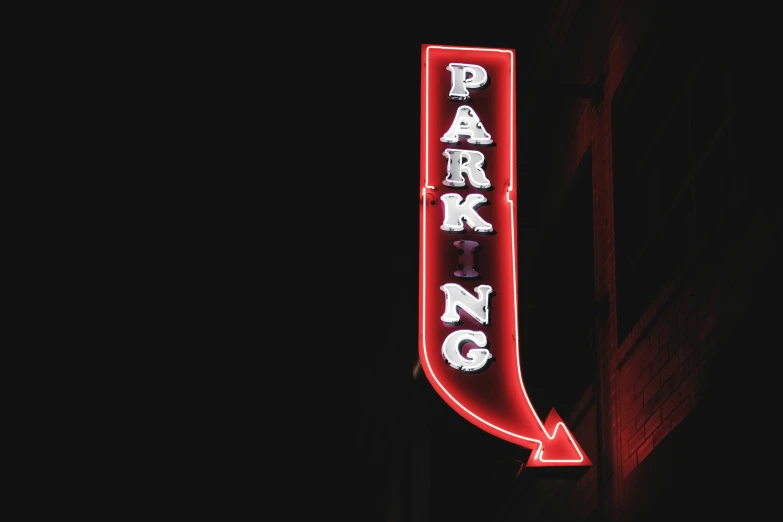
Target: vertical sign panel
(468,332)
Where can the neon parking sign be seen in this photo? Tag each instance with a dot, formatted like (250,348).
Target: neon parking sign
(468,329)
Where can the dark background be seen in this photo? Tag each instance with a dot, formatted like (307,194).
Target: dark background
(266,273)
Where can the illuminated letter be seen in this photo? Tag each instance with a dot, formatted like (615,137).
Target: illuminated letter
(466,76)
(458,296)
(467,123)
(468,162)
(465,260)
(456,210)
(477,357)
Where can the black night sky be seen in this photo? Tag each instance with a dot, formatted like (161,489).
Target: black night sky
(283,260)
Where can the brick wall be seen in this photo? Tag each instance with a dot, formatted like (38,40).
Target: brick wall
(659,375)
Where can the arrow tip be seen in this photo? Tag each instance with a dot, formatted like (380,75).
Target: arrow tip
(560,448)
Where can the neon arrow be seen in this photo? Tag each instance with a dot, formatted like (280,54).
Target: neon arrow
(469,331)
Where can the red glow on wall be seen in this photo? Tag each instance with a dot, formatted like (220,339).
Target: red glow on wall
(492,397)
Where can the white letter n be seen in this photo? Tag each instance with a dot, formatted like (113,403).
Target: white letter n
(456,296)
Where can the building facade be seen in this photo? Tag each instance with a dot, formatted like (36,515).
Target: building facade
(652,250)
